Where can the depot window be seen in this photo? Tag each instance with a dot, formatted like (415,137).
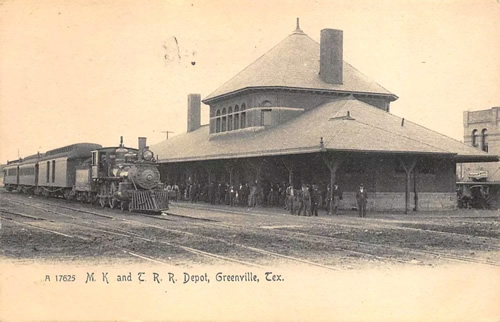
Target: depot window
(266,117)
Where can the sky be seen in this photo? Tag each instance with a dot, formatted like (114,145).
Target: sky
(92,71)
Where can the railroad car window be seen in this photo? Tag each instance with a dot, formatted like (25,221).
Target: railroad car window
(27,172)
(53,171)
(94,158)
(230,123)
(48,171)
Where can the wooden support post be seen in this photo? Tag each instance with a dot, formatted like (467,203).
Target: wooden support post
(209,173)
(408,166)
(257,166)
(415,197)
(289,167)
(332,162)
(230,169)
(209,167)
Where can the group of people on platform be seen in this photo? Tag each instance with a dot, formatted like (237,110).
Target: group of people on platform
(305,201)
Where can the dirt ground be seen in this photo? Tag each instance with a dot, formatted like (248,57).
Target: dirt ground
(439,266)
(41,229)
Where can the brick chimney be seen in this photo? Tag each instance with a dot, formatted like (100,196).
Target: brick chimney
(331,56)
(194,112)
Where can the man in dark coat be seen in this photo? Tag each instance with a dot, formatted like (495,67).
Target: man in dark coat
(315,199)
(337,196)
(361,198)
(306,201)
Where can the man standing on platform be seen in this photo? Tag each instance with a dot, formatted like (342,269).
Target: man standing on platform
(337,196)
(362,197)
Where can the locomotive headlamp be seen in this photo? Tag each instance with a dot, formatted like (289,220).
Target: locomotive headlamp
(147,155)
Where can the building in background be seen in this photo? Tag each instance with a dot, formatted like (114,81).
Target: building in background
(482,131)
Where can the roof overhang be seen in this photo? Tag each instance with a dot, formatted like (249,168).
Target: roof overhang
(307,150)
(476,158)
(213,99)
(255,154)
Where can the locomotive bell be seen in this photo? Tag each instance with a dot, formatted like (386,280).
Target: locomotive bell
(129,157)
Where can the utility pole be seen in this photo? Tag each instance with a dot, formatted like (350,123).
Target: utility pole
(167,132)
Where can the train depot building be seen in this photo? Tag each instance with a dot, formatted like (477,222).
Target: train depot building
(300,114)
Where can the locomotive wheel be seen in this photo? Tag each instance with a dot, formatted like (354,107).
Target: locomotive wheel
(113,202)
(103,200)
(90,198)
(67,194)
(123,205)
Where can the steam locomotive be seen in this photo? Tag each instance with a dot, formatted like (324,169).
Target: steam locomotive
(117,177)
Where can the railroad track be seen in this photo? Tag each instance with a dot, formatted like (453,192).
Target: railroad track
(125,233)
(451,257)
(282,232)
(306,237)
(254,249)
(365,223)
(73,236)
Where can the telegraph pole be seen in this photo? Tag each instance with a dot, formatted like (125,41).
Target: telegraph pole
(167,132)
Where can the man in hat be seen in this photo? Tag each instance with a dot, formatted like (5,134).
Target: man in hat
(337,196)
(362,197)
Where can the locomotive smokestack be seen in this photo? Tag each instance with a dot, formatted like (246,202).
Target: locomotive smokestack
(142,146)
(142,143)
(194,112)
(331,56)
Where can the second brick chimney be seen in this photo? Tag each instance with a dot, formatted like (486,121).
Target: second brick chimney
(331,56)
(194,112)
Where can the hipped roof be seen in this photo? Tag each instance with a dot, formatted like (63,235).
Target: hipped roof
(368,129)
(294,63)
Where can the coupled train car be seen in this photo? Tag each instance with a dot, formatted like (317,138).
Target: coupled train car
(117,177)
